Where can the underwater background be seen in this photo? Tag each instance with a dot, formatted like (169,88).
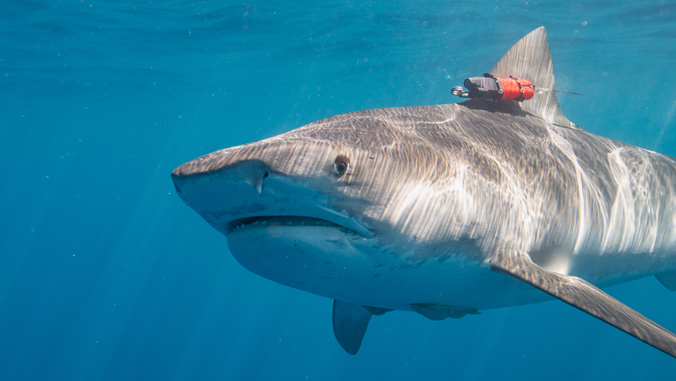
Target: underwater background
(106,275)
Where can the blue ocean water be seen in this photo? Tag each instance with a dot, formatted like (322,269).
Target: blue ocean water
(106,274)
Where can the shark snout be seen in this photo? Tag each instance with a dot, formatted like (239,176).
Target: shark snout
(239,191)
(230,193)
(195,182)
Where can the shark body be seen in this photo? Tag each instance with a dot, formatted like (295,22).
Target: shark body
(448,210)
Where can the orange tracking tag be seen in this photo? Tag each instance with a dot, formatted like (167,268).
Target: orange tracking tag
(516,89)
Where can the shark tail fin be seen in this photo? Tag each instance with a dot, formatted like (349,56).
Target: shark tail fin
(531,59)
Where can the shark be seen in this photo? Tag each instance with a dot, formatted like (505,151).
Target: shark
(448,210)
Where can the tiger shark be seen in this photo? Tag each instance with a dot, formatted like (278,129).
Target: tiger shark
(448,210)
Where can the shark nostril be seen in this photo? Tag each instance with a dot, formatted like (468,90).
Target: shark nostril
(258,183)
(178,189)
(252,172)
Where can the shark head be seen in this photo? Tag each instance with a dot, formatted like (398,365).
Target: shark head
(325,207)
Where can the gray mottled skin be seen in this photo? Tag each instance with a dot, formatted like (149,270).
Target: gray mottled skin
(491,173)
(440,202)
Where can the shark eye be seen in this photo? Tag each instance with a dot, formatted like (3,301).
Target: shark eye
(341,164)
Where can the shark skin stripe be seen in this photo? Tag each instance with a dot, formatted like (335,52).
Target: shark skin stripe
(448,210)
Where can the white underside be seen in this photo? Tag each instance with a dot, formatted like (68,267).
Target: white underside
(340,264)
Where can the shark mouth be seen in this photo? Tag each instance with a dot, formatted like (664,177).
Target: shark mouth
(256,221)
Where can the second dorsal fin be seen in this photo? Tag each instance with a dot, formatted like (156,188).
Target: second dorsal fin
(531,59)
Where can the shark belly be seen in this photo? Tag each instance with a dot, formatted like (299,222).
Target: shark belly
(340,264)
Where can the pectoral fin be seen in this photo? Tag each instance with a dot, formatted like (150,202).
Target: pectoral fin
(585,296)
(349,325)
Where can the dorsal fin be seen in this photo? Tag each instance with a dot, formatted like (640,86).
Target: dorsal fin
(530,59)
